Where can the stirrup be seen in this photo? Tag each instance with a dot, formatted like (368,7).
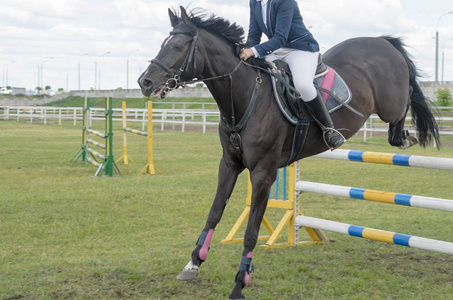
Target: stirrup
(329,130)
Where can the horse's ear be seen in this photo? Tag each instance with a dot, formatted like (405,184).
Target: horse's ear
(173,18)
(184,16)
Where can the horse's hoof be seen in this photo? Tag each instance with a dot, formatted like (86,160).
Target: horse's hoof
(408,142)
(188,274)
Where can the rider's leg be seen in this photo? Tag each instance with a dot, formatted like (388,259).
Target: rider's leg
(303,67)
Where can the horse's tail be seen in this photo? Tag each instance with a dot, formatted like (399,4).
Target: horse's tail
(422,109)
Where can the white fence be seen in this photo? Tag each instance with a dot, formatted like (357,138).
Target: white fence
(374,124)
(177,116)
(174,116)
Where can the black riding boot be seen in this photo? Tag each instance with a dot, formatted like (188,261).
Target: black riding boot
(318,111)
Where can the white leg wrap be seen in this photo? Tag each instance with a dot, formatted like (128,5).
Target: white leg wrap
(190,266)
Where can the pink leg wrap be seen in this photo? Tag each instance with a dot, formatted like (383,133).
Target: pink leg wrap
(247,266)
(203,253)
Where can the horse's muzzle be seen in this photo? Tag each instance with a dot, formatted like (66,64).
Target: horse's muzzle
(146,85)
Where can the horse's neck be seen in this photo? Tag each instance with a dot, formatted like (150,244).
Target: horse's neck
(220,60)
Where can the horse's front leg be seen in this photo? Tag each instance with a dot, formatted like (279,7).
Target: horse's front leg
(226,181)
(261,185)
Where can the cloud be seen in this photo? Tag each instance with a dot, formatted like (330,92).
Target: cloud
(68,29)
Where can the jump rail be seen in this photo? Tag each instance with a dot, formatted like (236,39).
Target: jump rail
(390,159)
(376,234)
(385,197)
(314,226)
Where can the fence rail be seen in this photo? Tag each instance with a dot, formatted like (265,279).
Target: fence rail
(178,116)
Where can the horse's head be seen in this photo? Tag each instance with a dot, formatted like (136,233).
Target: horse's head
(176,61)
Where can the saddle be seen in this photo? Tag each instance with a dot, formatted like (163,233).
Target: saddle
(334,90)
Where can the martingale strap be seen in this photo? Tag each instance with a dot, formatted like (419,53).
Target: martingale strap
(235,138)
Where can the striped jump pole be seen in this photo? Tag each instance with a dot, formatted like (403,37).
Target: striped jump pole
(390,159)
(314,226)
(377,196)
(376,234)
(150,168)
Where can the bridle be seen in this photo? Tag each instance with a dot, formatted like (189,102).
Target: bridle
(174,80)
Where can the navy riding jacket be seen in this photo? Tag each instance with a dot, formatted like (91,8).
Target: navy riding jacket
(285,28)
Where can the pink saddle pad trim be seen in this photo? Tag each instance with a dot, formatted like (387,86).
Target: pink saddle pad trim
(327,83)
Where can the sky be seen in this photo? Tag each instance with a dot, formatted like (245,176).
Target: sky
(58,37)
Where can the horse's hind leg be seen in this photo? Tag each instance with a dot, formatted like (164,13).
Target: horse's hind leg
(397,133)
(398,137)
(226,181)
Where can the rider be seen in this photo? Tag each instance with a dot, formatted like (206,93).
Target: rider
(290,41)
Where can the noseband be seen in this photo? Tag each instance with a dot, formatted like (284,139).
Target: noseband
(174,81)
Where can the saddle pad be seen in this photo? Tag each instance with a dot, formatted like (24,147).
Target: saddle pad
(331,85)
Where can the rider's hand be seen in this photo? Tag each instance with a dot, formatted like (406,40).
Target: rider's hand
(246,54)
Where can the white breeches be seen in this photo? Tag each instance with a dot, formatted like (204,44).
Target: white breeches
(303,66)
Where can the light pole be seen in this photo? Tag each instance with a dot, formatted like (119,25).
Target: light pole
(139,66)
(40,76)
(437,44)
(96,68)
(127,68)
(5,73)
(80,57)
(443,48)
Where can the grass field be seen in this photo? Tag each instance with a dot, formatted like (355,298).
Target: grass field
(65,234)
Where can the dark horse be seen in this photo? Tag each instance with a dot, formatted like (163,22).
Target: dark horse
(380,75)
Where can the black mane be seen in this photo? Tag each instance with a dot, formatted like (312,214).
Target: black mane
(232,33)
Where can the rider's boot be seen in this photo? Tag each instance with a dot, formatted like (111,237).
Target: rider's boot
(318,111)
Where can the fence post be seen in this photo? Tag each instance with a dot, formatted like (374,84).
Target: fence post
(204,121)
(173,114)
(364,131)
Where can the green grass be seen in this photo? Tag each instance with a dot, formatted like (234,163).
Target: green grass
(65,234)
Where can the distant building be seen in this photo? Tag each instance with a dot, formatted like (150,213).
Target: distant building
(12,91)
(17,90)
